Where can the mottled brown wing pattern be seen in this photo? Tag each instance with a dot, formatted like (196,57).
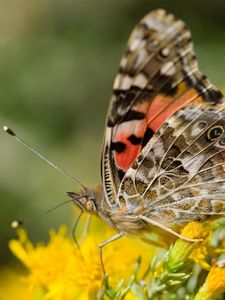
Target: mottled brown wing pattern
(158,75)
(180,174)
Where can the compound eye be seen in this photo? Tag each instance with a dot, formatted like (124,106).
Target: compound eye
(89,205)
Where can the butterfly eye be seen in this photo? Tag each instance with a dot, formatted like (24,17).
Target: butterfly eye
(215,132)
(89,205)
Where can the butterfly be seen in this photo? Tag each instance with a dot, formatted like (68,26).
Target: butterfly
(163,158)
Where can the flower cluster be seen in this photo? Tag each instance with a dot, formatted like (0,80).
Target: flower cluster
(62,271)
(59,270)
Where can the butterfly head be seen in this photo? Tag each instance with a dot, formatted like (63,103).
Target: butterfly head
(86,200)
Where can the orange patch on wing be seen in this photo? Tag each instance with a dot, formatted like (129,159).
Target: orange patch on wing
(163,107)
(125,159)
(157,111)
(137,128)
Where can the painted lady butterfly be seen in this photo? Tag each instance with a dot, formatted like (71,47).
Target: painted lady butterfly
(163,160)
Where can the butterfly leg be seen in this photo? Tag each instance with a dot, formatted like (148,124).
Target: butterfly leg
(157,224)
(86,228)
(75,228)
(113,238)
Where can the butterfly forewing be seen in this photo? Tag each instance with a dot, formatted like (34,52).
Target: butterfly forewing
(164,145)
(136,100)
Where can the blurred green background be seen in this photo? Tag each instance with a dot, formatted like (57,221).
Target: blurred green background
(57,64)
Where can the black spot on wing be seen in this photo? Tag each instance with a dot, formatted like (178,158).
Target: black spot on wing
(188,79)
(167,82)
(135,140)
(214,96)
(121,110)
(119,147)
(121,174)
(133,115)
(147,136)
(110,123)
(208,93)
(130,116)
(124,98)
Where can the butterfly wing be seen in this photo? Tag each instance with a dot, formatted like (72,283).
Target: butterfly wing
(180,174)
(158,75)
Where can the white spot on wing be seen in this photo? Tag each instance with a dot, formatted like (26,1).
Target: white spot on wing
(168,69)
(142,55)
(123,62)
(125,82)
(134,44)
(193,165)
(140,80)
(122,82)
(153,21)
(152,172)
(165,52)
(159,148)
(117,81)
(195,130)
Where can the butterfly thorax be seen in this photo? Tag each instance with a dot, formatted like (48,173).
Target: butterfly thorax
(119,216)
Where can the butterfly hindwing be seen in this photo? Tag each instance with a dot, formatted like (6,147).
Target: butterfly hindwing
(180,174)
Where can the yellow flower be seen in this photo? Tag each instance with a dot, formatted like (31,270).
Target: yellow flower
(47,264)
(182,249)
(214,284)
(200,252)
(12,287)
(199,256)
(65,273)
(193,230)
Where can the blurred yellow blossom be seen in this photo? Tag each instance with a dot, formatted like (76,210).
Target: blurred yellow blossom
(65,273)
(12,286)
(59,270)
(214,284)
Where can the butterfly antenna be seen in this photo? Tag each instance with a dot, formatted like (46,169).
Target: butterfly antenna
(41,156)
(19,223)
